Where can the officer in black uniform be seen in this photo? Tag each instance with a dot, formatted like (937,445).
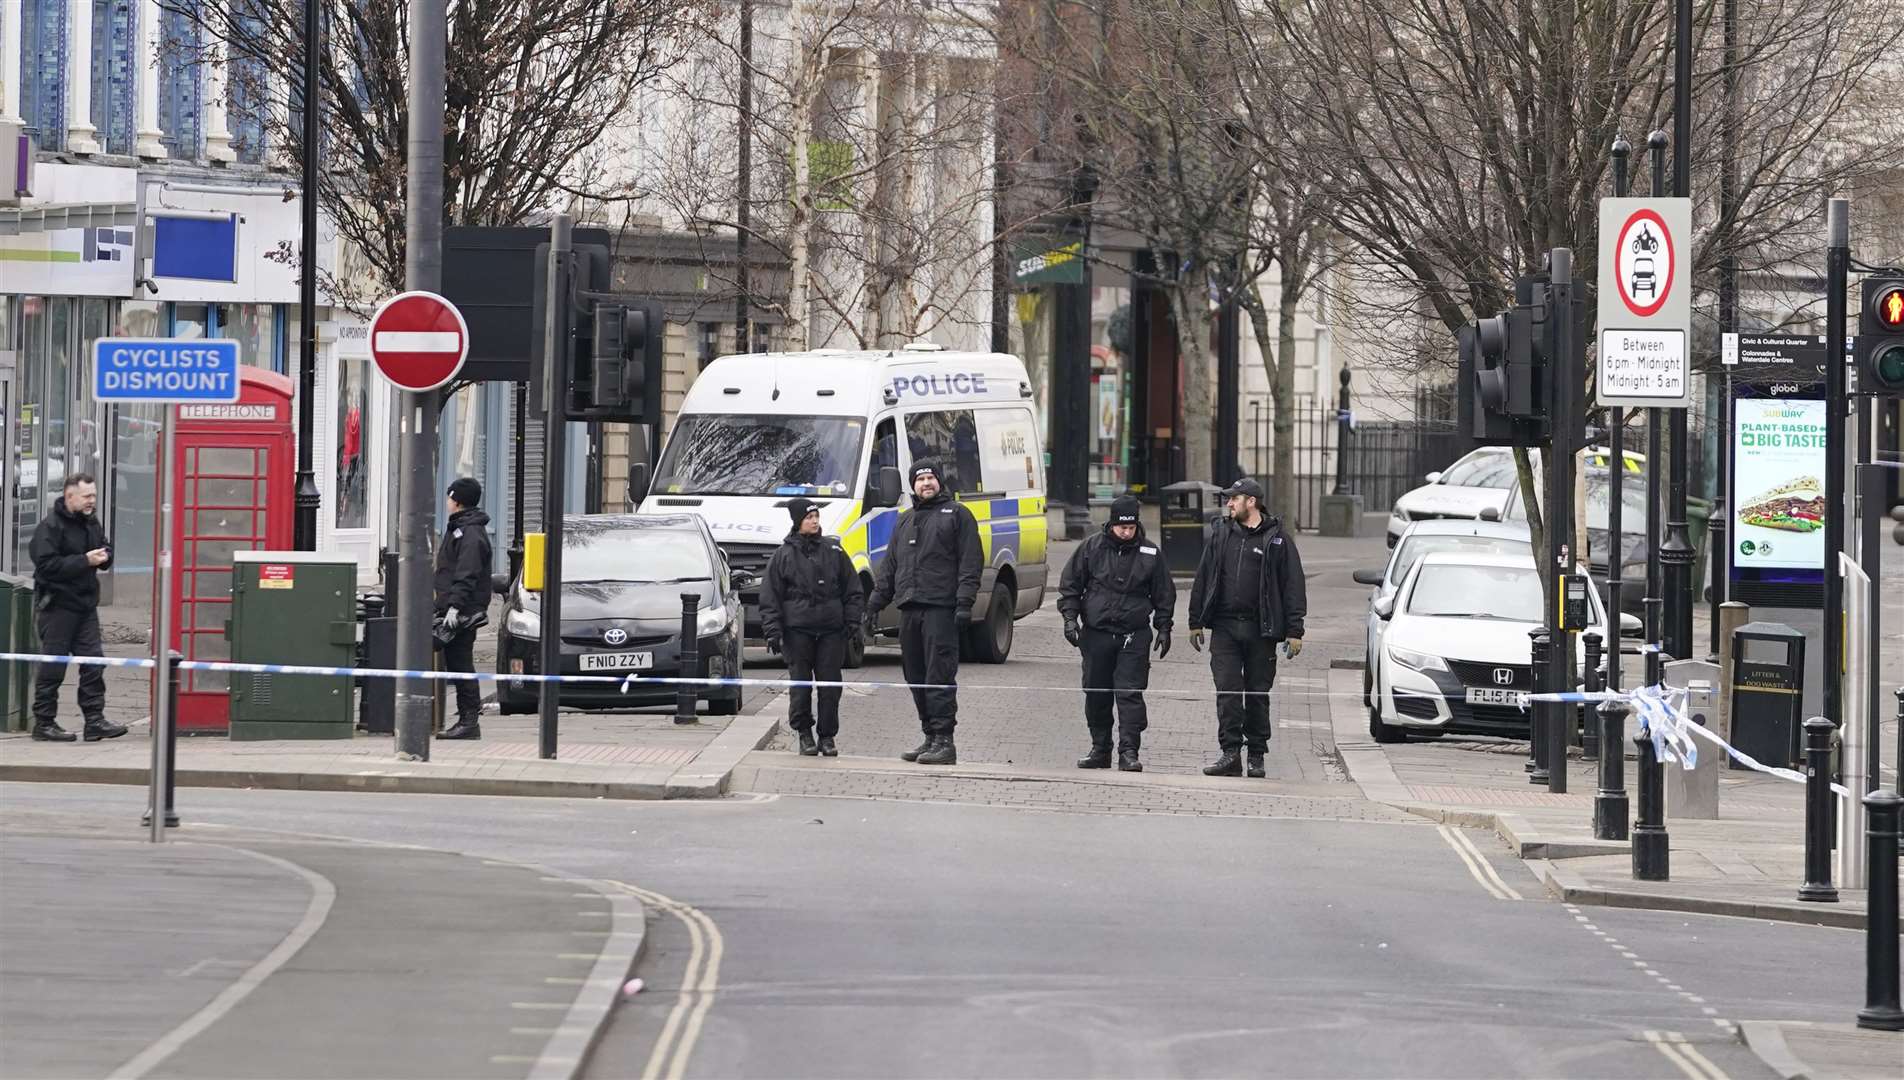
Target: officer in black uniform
(1115,589)
(69,548)
(931,570)
(1249,595)
(809,599)
(462,599)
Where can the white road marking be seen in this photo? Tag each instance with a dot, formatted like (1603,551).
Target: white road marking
(1486,867)
(699,982)
(1475,868)
(323,895)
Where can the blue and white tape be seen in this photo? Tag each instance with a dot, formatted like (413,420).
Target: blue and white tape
(1662,716)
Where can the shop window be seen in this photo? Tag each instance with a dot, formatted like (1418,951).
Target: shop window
(115,22)
(43,84)
(254,327)
(352,420)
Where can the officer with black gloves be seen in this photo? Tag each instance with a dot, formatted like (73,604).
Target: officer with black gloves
(1249,594)
(462,598)
(1118,585)
(931,570)
(809,599)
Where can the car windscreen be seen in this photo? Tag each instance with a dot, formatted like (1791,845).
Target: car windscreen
(1632,501)
(1477,592)
(733,454)
(1482,470)
(634,554)
(1414,547)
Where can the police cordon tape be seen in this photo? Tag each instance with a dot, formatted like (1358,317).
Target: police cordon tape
(626,682)
(1662,716)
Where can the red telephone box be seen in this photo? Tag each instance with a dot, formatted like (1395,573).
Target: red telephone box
(232,490)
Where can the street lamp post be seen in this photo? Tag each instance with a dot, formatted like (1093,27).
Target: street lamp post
(1343,430)
(307,498)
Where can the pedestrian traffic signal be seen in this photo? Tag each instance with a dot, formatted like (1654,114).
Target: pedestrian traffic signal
(1476,417)
(1503,361)
(1880,346)
(625,363)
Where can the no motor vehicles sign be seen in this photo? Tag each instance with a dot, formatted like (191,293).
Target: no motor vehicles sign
(1645,308)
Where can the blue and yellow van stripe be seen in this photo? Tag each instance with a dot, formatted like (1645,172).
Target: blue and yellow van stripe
(1015,525)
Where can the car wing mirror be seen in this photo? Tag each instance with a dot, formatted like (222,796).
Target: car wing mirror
(500,583)
(638,480)
(1490,513)
(888,486)
(744,579)
(1631,626)
(1367,577)
(1385,608)
(1433,477)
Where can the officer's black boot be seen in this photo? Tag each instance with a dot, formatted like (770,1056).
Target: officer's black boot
(940,752)
(1127,755)
(103,729)
(465,727)
(827,748)
(913,754)
(807,747)
(1100,755)
(50,731)
(1230,764)
(1256,764)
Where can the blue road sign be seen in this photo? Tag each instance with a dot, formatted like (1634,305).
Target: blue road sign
(165,370)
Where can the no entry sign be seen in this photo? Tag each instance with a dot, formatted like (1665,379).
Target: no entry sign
(1645,309)
(419,340)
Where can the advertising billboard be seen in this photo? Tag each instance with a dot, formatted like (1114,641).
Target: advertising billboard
(1778,488)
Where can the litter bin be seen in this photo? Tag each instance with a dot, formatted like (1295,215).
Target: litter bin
(1184,518)
(292,607)
(17,634)
(1768,685)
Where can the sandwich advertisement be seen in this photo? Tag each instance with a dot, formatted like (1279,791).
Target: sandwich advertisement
(1778,484)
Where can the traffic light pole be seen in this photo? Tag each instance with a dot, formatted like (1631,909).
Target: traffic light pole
(1616,484)
(1655,583)
(416,474)
(1837,281)
(1676,552)
(556,345)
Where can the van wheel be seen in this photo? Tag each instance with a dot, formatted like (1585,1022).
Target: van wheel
(990,642)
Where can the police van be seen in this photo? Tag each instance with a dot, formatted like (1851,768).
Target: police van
(842,429)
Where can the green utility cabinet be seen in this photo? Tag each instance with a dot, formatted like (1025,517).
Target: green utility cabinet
(17,634)
(292,607)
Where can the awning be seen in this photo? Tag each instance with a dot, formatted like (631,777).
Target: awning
(56,216)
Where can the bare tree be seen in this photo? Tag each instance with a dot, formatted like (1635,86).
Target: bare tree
(873,173)
(537,91)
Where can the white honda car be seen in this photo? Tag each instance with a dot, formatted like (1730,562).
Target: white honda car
(1419,539)
(1479,481)
(1456,656)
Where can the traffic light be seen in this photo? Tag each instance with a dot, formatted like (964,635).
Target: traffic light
(1483,385)
(625,362)
(1880,348)
(1503,365)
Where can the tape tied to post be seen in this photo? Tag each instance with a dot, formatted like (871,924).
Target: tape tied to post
(1662,717)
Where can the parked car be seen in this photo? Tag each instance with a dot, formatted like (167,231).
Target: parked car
(1456,656)
(1424,538)
(622,581)
(1479,481)
(1633,517)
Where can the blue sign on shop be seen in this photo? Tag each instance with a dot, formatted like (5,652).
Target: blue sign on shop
(165,369)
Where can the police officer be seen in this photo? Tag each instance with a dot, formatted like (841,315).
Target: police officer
(1249,595)
(69,548)
(809,599)
(462,598)
(931,570)
(1118,587)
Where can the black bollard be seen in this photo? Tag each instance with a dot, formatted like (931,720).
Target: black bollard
(1594,683)
(1609,803)
(1881,1001)
(687,694)
(1652,859)
(1540,714)
(1819,823)
(171,759)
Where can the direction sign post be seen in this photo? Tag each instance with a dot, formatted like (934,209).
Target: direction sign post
(1645,306)
(164,371)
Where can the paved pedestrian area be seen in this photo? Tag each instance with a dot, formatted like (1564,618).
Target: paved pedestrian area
(240,953)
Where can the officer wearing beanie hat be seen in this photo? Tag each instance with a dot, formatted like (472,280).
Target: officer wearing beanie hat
(810,600)
(1116,592)
(931,571)
(462,598)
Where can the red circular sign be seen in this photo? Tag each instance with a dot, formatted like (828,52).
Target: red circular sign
(1644,262)
(419,340)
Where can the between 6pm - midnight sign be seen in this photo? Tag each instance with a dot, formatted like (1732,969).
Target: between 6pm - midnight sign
(1645,309)
(165,370)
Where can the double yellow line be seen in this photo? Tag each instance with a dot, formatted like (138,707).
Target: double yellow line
(699,981)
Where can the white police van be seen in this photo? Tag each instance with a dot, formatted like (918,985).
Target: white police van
(842,429)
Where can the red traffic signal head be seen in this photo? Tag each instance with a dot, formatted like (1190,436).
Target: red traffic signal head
(1888,307)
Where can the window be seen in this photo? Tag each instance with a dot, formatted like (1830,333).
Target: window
(950,439)
(1489,469)
(43,69)
(710,342)
(1415,547)
(732,454)
(181,91)
(1009,449)
(254,328)
(113,74)
(352,413)
(885,456)
(1456,591)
